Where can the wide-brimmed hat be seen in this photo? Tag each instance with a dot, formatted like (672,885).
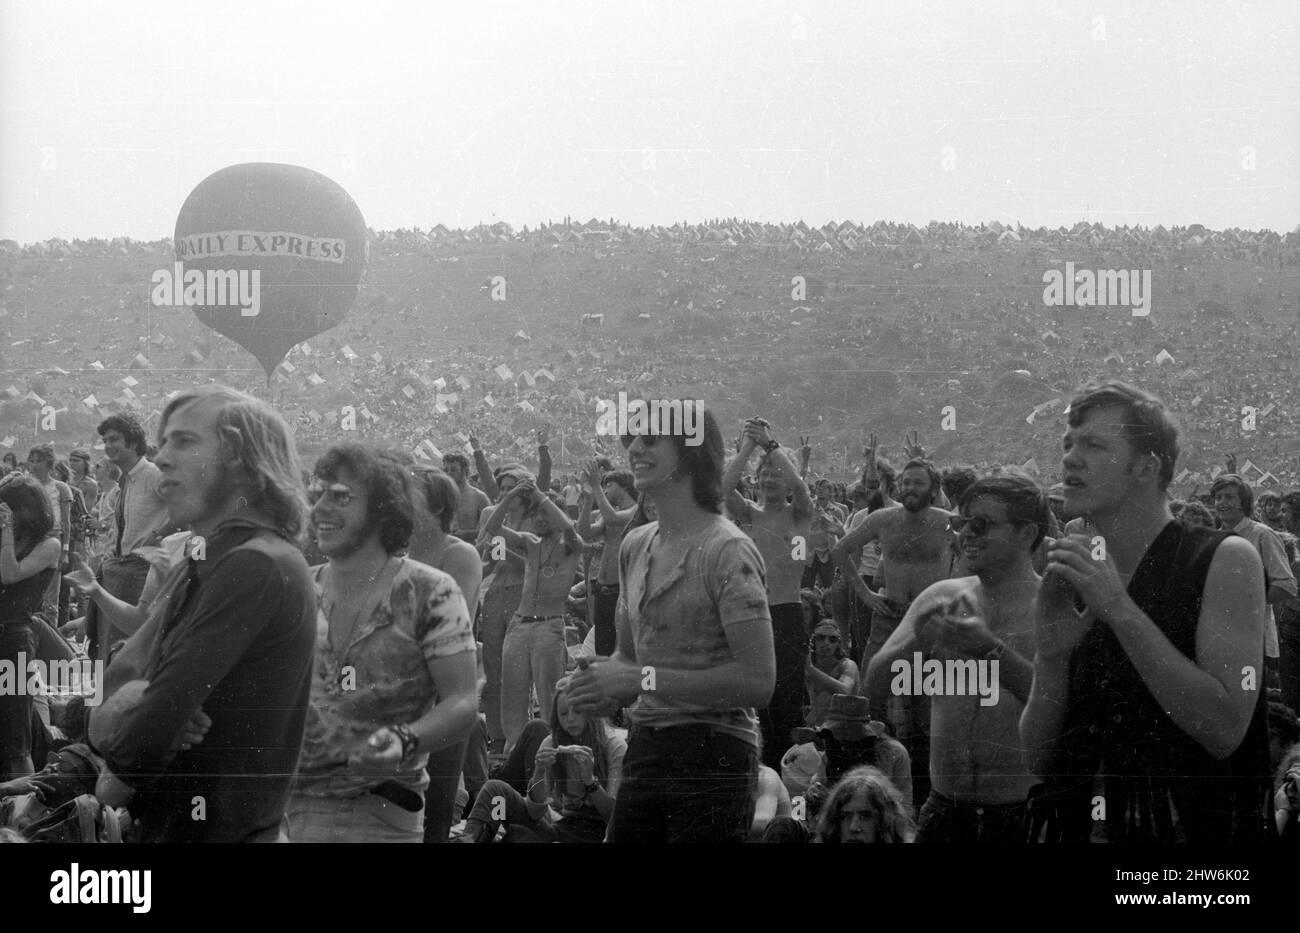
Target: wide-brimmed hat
(848,718)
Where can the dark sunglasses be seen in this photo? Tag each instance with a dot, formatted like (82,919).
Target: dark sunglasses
(340,495)
(833,639)
(978,525)
(647,440)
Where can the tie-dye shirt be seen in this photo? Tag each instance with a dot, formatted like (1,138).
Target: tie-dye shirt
(381,679)
(682,623)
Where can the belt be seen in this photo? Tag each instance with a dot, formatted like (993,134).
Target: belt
(396,794)
(978,809)
(523,618)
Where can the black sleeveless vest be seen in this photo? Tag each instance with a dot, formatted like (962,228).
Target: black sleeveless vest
(1160,785)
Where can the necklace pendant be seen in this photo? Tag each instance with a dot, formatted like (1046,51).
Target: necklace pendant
(548,571)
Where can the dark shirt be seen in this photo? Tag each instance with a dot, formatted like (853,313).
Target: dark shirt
(232,634)
(1160,784)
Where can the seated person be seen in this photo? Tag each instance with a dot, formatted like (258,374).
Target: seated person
(829,671)
(850,738)
(575,777)
(865,806)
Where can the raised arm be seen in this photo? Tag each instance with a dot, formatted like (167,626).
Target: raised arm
(481,464)
(762,434)
(737,505)
(543,462)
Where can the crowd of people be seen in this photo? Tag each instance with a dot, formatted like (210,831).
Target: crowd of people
(699,640)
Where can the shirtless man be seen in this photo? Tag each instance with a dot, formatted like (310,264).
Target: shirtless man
(979,781)
(534,650)
(615,497)
(778,528)
(827,528)
(472,500)
(914,547)
(914,543)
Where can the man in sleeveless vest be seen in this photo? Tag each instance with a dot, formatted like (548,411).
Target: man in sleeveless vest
(1147,714)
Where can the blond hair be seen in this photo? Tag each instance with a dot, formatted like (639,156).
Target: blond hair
(257,434)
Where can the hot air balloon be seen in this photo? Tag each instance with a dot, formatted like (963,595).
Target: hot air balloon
(268,255)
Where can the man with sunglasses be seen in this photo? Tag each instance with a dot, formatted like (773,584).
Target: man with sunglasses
(978,779)
(829,671)
(394,674)
(781,529)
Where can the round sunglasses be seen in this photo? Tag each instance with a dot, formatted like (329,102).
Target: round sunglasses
(978,524)
(339,494)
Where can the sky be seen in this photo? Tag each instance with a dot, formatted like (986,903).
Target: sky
(1040,113)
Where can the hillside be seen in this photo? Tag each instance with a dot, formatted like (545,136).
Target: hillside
(828,340)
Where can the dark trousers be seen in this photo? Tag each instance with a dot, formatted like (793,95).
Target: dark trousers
(475,767)
(942,820)
(124,577)
(685,784)
(1288,641)
(444,769)
(603,609)
(517,770)
(820,573)
(785,711)
(17,636)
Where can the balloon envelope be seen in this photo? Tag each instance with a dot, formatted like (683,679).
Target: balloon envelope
(299,231)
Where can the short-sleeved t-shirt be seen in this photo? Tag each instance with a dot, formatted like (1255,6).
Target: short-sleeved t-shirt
(682,624)
(58,492)
(380,679)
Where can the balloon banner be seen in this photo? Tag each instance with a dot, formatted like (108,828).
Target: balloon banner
(268,255)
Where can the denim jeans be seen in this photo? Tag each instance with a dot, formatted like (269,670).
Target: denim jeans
(498,608)
(685,784)
(944,820)
(367,818)
(533,655)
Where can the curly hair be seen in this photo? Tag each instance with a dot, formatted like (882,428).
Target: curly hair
(254,432)
(129,427)
(893,821)
(388,485)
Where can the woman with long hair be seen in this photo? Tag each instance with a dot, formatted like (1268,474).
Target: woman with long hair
(865,807)
(575,778)
(29,562)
